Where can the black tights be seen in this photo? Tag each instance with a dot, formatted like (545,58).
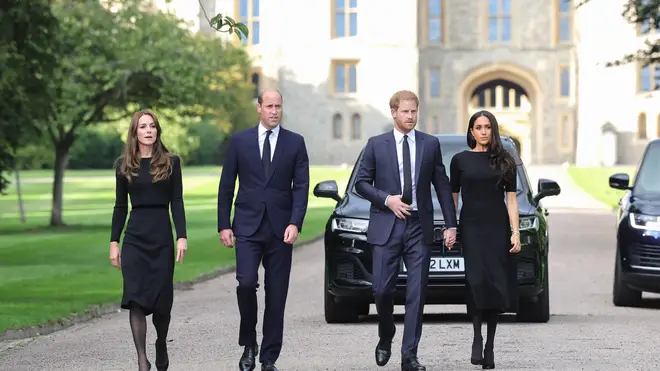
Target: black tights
(138,322)
(491,317)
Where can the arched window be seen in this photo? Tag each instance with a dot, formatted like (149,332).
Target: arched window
(356,127)
(337,124)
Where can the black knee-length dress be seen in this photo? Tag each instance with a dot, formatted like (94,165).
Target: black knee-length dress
(147,254)
(485,232)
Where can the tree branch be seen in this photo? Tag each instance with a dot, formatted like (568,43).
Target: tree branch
(218,22)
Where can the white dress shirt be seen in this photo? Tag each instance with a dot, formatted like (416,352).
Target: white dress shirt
(273,139)
(398,139)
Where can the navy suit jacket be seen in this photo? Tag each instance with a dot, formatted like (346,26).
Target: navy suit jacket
(283,194)
(378,177)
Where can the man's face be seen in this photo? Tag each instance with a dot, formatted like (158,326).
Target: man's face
(405,117)
(270,109)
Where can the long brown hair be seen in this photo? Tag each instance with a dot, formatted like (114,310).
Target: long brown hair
(500,159)
(161,159)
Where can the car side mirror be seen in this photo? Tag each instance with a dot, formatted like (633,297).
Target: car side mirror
(327,189)
(546,187)
(620,181)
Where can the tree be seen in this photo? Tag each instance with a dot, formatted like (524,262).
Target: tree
(27,37)
(117,57)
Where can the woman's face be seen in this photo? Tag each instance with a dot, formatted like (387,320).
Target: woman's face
(482,131)
(146,130)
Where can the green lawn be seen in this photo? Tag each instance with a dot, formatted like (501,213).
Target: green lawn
(46,273)
(595,181)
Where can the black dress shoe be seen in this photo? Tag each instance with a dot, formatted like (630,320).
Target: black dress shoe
(412,364)
(384,350)
(247,362)
(477,356)
(162,359)
(268,366)
(383,353)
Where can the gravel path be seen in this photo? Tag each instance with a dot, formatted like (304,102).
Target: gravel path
(586,332)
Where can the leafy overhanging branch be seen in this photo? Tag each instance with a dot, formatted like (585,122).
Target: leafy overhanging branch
(219,22)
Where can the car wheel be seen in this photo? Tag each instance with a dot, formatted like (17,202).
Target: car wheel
(537,311)
(622,295)
(336,312)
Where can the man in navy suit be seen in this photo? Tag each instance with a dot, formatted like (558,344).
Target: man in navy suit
(273,171)
(395,175)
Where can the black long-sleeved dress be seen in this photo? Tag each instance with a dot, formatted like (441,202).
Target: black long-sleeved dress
(147,254)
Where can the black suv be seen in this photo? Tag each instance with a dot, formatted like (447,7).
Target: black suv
(348,259)
(637,264)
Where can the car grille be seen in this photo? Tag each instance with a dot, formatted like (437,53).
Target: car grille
(644,256)
(439,248)
(526,270)
(348,269)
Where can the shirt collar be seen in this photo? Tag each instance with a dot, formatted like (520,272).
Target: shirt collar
(398,136)
(262,130)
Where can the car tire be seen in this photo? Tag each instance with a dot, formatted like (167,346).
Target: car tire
(537,311)
(336,312)
(622,295)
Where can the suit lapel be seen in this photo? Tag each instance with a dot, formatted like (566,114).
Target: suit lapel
(253,151)
(394,159)
(419,154)
(279,147)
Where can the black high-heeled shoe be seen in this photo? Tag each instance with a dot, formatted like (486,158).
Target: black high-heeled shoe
(162,358)
(477,357)
(489,358)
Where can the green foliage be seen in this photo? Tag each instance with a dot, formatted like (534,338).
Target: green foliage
(115,57)
(27,35)
(219,22)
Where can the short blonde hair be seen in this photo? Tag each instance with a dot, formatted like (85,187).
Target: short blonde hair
(400,95)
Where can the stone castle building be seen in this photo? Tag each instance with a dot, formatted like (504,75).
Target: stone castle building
(538,65)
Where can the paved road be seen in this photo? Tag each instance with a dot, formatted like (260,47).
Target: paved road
(585,332)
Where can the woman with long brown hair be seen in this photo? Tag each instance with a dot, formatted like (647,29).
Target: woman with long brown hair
(152,177)
(489,228)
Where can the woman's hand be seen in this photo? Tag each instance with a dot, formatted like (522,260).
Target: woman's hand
(115,255)
(181,248)
(515,242)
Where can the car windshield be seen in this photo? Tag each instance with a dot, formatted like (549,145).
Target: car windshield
(647,180)
(451,148)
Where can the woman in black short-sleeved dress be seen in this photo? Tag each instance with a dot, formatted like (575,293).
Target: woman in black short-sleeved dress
(483,175)
(151,176)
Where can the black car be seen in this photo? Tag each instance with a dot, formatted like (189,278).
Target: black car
(637,264)
(348,260)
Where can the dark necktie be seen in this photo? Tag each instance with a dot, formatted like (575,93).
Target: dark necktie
(407,173)
(265,155)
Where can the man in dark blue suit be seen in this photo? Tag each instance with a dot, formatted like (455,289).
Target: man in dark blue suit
(273,172)
(395,175)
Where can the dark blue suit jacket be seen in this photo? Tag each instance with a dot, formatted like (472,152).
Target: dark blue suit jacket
(378,177)
(283,193)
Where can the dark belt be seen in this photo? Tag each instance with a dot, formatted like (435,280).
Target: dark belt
(138,207)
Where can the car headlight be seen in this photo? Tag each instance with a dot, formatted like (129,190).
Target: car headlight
(529,223)
(646,222)
(350,225)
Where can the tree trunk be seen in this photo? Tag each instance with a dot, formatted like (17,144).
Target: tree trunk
(19,192)
(62,148)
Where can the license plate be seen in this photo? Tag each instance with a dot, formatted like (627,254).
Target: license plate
(440,264)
